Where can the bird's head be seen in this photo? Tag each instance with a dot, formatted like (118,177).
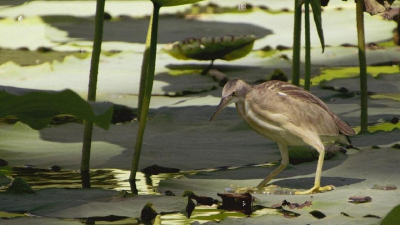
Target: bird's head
(234,91)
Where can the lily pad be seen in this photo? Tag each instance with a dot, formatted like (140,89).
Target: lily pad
(37,108)
(384,83)
(40,34)
(392,217)
(211,48)
(83,203)
(20,139)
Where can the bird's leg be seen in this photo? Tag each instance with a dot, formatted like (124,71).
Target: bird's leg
(317,184)
(205,71)
(284,163)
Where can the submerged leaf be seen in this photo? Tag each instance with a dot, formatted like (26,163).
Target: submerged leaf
(174,2)
(37,108)
(211,48)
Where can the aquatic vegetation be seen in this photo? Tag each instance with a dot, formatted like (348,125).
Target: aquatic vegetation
(37,108)
(147,79)
(316,8)
(212,48)
(94,70)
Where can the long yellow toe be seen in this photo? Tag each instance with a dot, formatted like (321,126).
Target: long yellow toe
(316,189)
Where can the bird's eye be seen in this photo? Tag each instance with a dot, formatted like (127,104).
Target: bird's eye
(234,94)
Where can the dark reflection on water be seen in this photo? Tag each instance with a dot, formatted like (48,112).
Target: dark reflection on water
(111,179)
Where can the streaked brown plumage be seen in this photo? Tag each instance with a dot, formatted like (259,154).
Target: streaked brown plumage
(288,115)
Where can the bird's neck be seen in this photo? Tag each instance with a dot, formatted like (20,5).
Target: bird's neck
(241,109)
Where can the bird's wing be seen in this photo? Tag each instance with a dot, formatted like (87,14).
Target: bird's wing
(301,108)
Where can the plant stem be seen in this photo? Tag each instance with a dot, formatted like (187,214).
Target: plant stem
(143,75)
(151,46)
(363,65)
(308,45)
(296,43)
(94,69)
(398,28)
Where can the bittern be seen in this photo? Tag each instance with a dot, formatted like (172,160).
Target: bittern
(288,115)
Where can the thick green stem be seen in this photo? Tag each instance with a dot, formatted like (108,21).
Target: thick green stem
(143,75)
(94,69)
(308,45)
(296,43)
(398,28)
(151,46)
(363,65)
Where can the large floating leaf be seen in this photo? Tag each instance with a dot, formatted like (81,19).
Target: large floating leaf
(174,2)
(211,48)
(37,108)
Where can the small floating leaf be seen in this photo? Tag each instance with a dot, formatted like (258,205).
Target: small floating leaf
(211,48)
(360,199)
(174,2)
(317,214)
(148,212)
(396,146)
(385,188)
(296,205)
(20,186)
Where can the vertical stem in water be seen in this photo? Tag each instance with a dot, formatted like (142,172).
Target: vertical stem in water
(94,69)
(151,47)
(363,65)
(296,43)
(308,45)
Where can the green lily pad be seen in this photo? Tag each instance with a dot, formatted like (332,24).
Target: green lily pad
(211,48)
(174,2)
(40,34)
(386,96)
(392,217)
(329,74)
(37,108)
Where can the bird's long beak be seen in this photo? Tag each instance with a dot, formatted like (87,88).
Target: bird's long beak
(221,106)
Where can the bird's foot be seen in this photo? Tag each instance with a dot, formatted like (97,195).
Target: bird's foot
(270,189)
(316,189)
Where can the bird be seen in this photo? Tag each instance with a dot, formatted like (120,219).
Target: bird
(288,115)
